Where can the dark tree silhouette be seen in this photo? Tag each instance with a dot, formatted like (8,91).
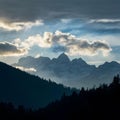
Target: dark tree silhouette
(21,88)
(102,103)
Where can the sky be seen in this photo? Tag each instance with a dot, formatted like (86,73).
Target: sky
(89,29)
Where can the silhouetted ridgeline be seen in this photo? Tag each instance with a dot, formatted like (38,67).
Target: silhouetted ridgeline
(74,73)
(21,88)
(101,103)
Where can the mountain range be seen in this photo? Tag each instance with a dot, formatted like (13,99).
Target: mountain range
(21,88)
(74,73)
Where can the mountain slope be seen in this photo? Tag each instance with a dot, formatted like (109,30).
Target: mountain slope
(102,103)
(22,88)
(75,73)
(105,72)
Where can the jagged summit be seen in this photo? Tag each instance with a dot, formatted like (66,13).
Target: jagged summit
(110,64)
(63,58)
(41,58)
(78,61)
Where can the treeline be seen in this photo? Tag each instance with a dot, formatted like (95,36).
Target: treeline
(102,103)
(21,88)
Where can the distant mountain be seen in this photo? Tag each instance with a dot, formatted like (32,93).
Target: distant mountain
(105,72)
(22,88)
(75,73)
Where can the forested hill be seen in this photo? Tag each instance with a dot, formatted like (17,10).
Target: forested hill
(21,88)
(102,103)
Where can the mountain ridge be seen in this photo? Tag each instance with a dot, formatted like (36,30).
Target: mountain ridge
(74,73)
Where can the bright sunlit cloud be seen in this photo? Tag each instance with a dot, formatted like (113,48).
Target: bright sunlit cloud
(17,26)
(65,42)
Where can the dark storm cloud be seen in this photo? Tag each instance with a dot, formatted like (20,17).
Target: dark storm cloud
(96,26)
(8,49)
(44,9)
(103,26)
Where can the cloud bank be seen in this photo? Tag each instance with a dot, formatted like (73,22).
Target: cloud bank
(53,9)
(65,42)
(17,26)
(9,49)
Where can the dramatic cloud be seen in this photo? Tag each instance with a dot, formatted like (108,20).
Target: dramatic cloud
(38,40)
(82,18)
(8,49)
(65,42)
(78,46)
(26,69)
(32,10)
(17,26)
(87,48)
